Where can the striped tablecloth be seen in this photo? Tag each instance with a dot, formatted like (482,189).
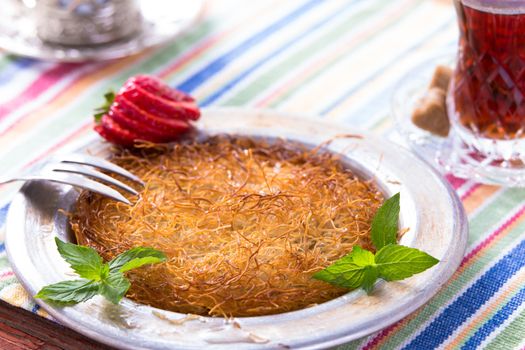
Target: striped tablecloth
(335,60)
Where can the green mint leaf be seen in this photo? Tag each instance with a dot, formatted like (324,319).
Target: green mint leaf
(371,275)
(101,278)
(100,111)
(114,287)
(397,262)
(69,292)
(136,257)
(362,257)
(385,223)
(350,271)
(84,260)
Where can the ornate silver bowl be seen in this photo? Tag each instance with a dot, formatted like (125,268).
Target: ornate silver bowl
(86,22)
(65,31)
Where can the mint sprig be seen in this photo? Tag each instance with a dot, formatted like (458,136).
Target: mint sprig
(97,277)
(391,262)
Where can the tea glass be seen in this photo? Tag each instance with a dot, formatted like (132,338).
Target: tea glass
(485,99)
(487,95)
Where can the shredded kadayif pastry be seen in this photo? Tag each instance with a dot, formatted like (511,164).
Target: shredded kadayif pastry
(244,224)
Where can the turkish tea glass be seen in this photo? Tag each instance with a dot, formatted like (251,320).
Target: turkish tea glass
(486,100)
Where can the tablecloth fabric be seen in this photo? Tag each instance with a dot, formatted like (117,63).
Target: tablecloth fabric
(334,60)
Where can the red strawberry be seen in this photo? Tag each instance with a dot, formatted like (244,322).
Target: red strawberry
(157,87)
(114,133)
(120,118)
(145,100)
(145,109)
(172,126)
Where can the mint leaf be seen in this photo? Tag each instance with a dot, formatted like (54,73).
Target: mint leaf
(69,292)
(101,278)
(84,260)
(114,287)
(385,223)
(351,271)
(397,262)
(370,278)
(362,257)
(136,257)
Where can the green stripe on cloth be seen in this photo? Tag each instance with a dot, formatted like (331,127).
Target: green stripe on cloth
(511,337)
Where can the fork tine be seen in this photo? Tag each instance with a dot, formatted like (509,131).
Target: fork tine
(103,164)
(79,181)
(79,169)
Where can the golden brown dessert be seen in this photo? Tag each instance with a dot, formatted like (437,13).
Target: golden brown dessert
(244,224)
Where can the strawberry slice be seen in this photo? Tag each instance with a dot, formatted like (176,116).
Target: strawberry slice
(136,126)
(172,126)
(145,109)
(162,107)
(159,88)
(113,132)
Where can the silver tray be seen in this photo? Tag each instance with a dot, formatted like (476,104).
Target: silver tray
(429,207)
(162,21)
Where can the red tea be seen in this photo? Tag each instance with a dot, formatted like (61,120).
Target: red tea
(489,81)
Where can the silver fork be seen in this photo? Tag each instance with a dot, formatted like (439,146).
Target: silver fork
(76,169)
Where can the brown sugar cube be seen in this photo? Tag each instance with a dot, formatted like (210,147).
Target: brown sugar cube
(431,113)
(441,78)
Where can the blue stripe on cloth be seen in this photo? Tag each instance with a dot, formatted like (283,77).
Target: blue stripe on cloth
(35,308)
(16,66)
(359,84)
(219,63)
(470,301)
(212,98)
(496,321)
(3,214)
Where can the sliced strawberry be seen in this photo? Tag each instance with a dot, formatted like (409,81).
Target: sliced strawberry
(113,132)
(137,126)
(171,126)
(159,106)
(157,87)
(145,109)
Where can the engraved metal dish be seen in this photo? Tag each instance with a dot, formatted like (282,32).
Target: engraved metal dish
(429,208)
(86,22)
(161,22)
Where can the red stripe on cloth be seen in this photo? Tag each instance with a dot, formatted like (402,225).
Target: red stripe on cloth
(470,191)
(455,181)
(39,86)
(7,274)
